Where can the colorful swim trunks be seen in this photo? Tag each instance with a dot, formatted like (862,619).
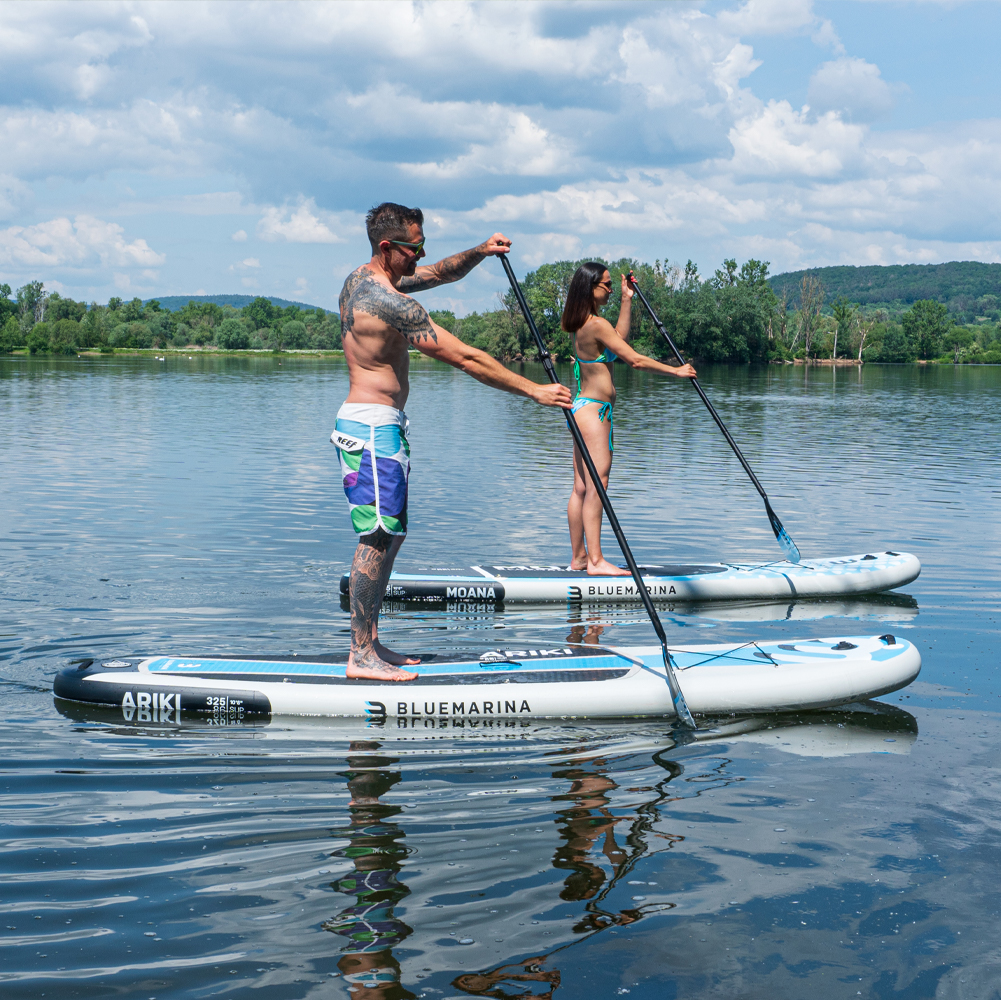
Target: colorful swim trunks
(371,442)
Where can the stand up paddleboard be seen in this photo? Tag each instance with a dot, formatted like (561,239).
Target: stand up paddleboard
(569,681)
(857,574)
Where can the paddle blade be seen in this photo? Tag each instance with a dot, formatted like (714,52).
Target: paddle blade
(787,545)
(680,705)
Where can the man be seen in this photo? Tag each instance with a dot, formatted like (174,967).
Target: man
(379,324)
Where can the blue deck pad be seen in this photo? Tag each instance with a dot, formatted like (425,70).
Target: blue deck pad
(753,654)
(194,667)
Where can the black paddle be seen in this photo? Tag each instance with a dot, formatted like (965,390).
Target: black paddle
(680,705)
(787,545)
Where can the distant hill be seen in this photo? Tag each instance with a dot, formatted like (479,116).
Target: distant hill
(959,283)
(175,302)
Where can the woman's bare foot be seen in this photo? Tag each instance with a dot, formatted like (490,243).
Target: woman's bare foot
(367,666)
(605,568)
(578,565)
(396,659)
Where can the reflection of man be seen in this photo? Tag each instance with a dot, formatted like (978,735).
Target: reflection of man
(379,324)
(368,963)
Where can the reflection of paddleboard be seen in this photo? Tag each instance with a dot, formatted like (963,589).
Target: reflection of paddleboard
(834,577)
(860,728)
(870,727)
(561,682)
(877,608)
(895,608)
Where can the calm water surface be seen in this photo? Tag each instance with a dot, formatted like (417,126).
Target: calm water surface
(193,506)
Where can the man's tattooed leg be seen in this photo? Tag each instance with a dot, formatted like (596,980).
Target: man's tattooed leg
(397,659)
(366,575)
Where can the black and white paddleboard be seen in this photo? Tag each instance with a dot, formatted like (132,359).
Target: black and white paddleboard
(865,573)
(568,681)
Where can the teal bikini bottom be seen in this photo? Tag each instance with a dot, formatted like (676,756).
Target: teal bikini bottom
(606,410)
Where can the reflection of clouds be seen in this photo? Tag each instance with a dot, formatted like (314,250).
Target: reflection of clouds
(879,872)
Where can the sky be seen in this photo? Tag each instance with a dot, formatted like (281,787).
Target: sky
(205,148)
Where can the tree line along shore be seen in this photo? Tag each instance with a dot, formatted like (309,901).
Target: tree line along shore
(733,316)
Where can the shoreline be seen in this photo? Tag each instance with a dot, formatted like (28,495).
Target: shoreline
(830,362)
(190,352)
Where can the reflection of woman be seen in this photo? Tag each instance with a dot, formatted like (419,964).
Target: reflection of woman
(491,984)
(369,924)
(584,823)
(585,634)
(596,345)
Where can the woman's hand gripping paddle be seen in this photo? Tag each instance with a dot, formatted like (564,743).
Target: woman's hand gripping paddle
(680,705)
(787,545)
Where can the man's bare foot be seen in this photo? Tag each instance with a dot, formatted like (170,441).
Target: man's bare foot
(369,667)
(605,568)
(578,565)
(396,659)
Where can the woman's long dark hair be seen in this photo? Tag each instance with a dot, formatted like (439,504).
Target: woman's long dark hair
(579,306)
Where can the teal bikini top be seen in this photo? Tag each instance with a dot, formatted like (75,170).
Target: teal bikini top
(606,357)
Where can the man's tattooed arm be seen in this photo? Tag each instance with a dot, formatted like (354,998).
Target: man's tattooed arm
(450,269)
(362,293)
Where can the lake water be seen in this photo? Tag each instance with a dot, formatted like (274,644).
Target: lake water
(193,506)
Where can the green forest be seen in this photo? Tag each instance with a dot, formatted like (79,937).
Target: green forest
(46,323)
(738,314)
(971,290)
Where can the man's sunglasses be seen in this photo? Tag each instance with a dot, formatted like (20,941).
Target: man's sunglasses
(414,248)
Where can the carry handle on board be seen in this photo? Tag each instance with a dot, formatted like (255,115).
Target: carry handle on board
(680,705)
(781,535)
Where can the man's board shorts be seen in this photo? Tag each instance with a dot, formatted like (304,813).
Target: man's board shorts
(371,441)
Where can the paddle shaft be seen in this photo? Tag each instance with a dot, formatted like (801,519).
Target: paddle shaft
(680,705)
(772,516)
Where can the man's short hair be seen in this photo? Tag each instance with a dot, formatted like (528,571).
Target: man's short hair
(389,221)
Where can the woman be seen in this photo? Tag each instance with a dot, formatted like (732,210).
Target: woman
(596,345)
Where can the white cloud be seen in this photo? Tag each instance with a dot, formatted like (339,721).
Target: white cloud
(853,86)
(299,225)
(240,236)
(248,263)
(518,146)
(768,17)
(779,141)
(84,242)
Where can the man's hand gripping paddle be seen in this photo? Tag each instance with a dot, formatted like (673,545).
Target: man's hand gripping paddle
(787,545)
(680,705)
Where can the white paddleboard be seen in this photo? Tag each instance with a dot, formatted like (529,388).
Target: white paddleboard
(865,573)
(566,681)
